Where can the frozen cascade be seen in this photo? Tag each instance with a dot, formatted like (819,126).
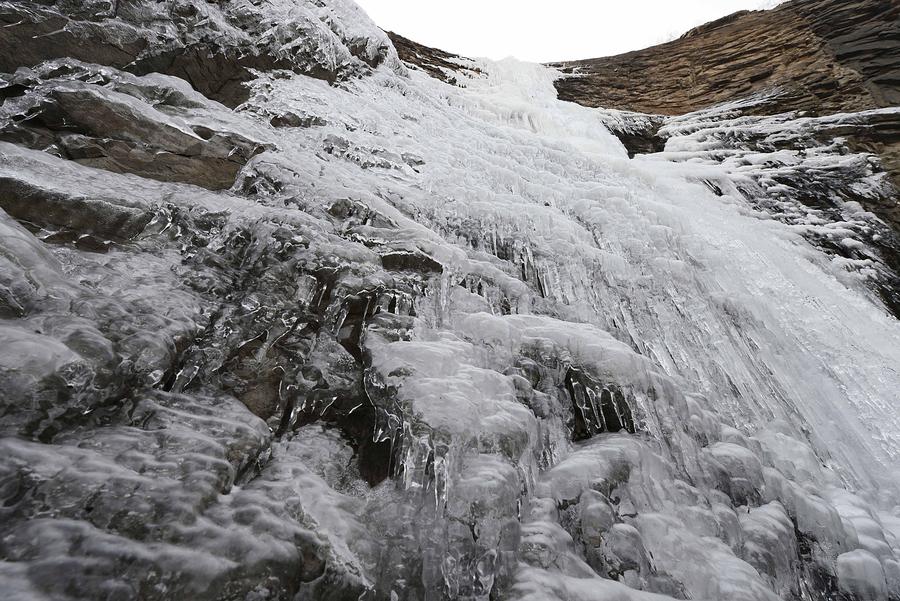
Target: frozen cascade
(436,342)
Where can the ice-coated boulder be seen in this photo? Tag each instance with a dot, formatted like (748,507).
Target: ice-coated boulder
(861,576)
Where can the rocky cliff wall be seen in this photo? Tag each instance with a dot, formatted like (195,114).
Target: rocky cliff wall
(291,320)
(818,57)
(808,56)
(763,90)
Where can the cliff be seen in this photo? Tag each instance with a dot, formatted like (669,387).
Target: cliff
(820,77)
(815,56)
(295,310)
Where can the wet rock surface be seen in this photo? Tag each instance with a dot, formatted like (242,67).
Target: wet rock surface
(215,46)
(812,173)
(334,329)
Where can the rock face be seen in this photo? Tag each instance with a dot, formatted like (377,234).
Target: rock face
(437,63)
(822,56)
(285,317)
(804,60)
(811,56)
(212,45)
(115,121)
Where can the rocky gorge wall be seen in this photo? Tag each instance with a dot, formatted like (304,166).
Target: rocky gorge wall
(822,56)
(290,310)
(810,58)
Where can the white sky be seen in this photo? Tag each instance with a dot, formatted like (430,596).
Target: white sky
(544,31)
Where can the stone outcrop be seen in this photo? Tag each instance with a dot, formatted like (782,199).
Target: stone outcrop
(437,63)
(815,57)
(808,55)
(153,127)
(214,46)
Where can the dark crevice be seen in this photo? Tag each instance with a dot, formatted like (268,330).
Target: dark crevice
(597,408)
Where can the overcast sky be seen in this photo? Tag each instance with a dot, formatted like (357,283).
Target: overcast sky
(547,30)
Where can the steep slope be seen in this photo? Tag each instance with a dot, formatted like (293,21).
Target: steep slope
(822,56)
(811,57)
(376,336)
(215,46)
(797,103)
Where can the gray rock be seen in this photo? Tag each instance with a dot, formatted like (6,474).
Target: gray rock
(213,46)
(97,125)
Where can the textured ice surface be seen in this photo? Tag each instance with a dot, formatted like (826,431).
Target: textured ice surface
(435,342)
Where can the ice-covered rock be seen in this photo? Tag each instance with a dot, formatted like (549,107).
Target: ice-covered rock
(155,127)
(216,46)
(364,333)
(860,575)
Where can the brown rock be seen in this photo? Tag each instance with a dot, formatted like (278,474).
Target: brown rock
(437,63)
(822,56)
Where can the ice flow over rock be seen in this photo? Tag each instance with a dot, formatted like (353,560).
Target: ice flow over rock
(377,336)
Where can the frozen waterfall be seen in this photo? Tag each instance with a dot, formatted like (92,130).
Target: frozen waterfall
(436,342)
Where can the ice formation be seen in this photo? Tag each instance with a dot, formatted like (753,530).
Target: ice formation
(435,342)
